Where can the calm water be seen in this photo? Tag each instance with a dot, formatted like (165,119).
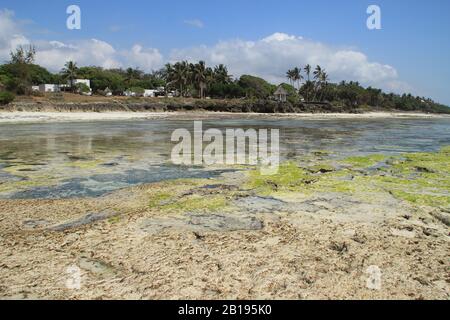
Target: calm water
(51,160)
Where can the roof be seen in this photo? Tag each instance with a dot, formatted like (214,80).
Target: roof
(280,90)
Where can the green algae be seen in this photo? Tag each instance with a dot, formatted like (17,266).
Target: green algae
(423,198)
(114,219)
(196,203)
(321,168)
(20,170)
(290,177)
(437,162)
(181,195)
(158,198)
(364,161)
(418,178)
(21,185)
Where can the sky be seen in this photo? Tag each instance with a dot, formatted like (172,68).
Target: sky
(410,53)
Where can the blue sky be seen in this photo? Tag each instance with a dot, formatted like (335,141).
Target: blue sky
(413,41)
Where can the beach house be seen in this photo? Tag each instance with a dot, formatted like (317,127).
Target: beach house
(46,87)
(280,94)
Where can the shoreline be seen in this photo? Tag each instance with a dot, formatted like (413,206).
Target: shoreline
(67,116)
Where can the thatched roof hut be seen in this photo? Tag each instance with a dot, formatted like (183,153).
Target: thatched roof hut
(280,94)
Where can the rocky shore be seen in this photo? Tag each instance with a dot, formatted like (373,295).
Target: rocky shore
(374,227)
(182,105)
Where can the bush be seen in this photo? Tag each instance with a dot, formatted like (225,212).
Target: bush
(138,90)
(256,87)
(82,88)
(36,93)
(6,97)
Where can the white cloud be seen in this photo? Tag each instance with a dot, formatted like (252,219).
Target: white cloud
(194,23)
(269,57)
(10,34)
(146,59)
(272,56)
(54,54)
(95,52)
(278,36)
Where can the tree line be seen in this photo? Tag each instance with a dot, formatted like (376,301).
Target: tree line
(305,84)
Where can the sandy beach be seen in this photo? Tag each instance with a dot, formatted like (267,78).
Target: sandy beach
(18,117)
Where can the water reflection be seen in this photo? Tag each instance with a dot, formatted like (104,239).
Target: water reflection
(90,158)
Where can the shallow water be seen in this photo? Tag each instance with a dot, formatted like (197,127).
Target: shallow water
(57,160)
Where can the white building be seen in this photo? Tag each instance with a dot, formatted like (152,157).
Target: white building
(74,82)
(49,87)
(150,93)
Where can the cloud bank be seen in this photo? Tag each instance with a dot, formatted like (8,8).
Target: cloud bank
(272,56)
(54,54)
(269,57)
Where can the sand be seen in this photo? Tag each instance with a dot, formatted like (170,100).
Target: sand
(29,117)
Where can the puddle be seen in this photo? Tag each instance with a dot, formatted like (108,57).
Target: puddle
(100,184)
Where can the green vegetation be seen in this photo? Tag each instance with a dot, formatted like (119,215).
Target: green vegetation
(82,88)
(69,72)
(6,97)
(20,73)
(309,89)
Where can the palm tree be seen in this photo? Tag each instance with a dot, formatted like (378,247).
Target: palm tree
(297,76)
(132,74)
(221,74)
(69,72)
(308,73)
(129,76)
(317,76)
(317,72)
(324,80)
(290,76)
(200,76)
(180,75)
(209,76)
